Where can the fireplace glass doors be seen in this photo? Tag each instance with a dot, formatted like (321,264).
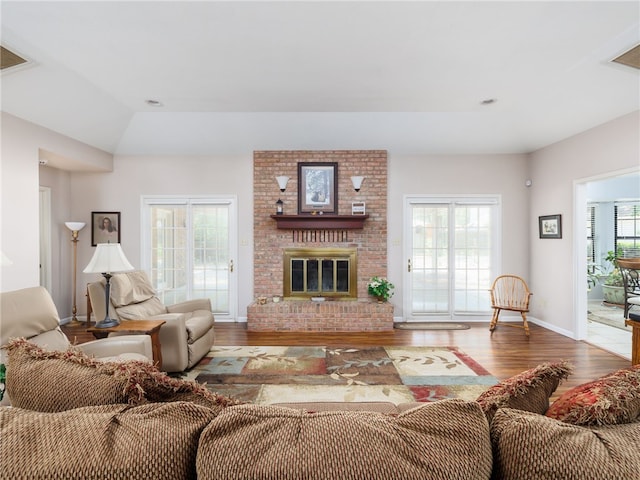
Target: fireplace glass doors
(320,272)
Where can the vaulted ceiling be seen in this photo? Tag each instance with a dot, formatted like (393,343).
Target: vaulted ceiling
(233,77)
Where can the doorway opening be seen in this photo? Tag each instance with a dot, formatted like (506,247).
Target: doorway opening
(600,203)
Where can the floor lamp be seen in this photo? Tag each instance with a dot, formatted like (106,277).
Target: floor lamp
(75,227)
(108,258)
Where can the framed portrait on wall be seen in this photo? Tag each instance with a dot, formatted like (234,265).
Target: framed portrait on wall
(105,227)
(317,187)
(550,226)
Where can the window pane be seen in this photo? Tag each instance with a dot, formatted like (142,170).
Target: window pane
(451,258)
(189,253)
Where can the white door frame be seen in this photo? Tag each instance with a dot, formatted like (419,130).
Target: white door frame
(45,237)
(580,300)
(408,201)
(232,202)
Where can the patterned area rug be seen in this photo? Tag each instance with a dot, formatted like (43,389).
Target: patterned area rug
(267,375)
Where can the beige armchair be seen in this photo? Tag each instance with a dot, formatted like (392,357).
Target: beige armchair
(186,336)
(31,313)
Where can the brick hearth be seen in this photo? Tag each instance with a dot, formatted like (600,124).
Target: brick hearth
(330,316)
(269,242)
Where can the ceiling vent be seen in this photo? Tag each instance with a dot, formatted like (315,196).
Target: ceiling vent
(630,58)
(10,59)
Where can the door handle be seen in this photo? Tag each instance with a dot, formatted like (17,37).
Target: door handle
(231,265)
(409,265)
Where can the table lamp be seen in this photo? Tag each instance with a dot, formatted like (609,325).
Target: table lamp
(108,258)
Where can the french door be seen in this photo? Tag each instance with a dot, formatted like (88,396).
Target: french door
(189,247)
(452,252)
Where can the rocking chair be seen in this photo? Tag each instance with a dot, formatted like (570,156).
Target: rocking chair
(510,292)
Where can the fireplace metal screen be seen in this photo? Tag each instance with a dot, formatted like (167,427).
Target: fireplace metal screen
(320,272)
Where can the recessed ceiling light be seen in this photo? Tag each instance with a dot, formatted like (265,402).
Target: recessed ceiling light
(154,103)
(488,101)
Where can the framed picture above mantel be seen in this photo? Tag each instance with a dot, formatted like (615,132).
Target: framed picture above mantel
(317,187)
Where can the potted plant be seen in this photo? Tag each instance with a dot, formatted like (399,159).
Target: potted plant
(613,285)
(381,288)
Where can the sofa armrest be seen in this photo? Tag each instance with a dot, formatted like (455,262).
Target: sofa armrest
(190,306)
(173,341)
(120,345)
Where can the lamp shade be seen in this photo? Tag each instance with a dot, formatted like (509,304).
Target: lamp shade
(357,182)
(75,226)
(108,258)
(282,182)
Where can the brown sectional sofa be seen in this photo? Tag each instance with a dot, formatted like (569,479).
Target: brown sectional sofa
(173,429)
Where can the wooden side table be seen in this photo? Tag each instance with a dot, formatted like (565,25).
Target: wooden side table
(137,327)
(635,341)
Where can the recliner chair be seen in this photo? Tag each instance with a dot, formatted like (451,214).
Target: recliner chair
(30,313)
(186,336)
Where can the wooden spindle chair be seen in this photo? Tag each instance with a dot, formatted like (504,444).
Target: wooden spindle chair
(630,270)
(510,292)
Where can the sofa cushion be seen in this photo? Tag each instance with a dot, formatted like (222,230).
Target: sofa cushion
(143,310)
(531,446)
(610,400)
(130,287)
(26,313)
(156,441)
(447,439)
(52,381)
(529,390)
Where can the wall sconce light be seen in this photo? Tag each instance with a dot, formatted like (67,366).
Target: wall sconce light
(357,182)
(279,207)
(282,182)
(75,227)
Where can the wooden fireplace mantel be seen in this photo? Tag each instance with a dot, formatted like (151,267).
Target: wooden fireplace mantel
(318,222)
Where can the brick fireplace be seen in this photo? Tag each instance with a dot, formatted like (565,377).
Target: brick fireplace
(270,242)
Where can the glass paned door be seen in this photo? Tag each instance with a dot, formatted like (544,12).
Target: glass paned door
(430,259)
(451,257)
(190,255)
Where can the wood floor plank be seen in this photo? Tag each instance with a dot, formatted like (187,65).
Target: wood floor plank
(504,353)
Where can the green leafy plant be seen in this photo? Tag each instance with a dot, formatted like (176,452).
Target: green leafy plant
(3,376)
(614,278)
(594,274)
(381,288)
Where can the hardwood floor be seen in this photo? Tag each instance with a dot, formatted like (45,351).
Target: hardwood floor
(504,353)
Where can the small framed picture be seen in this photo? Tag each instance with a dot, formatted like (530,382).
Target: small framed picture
(105,227)
(317,187)
(550,226)
(358,208)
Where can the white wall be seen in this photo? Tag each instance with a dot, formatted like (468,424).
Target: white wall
(614,146)
(460,174)
(134,176)
(23,145)
(19,206)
